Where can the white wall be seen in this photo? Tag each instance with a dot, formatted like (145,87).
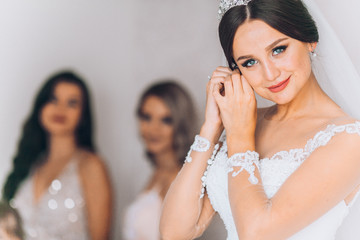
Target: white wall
(119,47)
(344,17)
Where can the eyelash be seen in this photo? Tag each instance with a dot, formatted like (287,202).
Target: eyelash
(281,48)
(246,64)
(251,62)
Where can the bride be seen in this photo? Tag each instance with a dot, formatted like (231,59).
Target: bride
(288,171)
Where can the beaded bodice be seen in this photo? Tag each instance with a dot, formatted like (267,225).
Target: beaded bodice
(60,212)
(274,171)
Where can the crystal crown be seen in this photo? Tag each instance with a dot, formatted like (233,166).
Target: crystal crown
(225,5)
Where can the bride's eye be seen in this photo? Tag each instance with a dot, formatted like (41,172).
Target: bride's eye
(249,63)
(278,50)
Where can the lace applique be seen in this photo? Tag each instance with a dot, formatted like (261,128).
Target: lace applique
(320,139)
(200,144)
(323,137)
(246,161)
(222,137)
(209,162)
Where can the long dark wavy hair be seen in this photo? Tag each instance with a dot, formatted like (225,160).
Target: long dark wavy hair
(34,138)
(289,17)
(183,114)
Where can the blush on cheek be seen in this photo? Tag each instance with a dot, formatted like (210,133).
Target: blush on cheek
(304,63)
(301,58)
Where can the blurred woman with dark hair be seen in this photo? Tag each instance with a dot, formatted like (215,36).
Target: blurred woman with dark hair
(58,183)
(167,123)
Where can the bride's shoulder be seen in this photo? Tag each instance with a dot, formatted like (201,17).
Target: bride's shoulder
(347,132)
(343,119)
(342,124)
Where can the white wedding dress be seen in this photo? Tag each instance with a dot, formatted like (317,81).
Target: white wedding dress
(274,171)
(60,213)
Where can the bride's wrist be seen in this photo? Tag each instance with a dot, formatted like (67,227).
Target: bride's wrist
(238,143)
(211,132)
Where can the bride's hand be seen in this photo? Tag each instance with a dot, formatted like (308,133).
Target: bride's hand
(213,126)
(237,108)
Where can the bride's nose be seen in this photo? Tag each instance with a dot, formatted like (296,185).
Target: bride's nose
(270,70)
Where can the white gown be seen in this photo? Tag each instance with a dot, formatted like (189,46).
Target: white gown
(274,171)
(142,217)
(60,212)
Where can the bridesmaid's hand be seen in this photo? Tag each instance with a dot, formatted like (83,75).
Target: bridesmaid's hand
(213,126)
(237,110)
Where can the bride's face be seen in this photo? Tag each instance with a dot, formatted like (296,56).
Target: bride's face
(275,65)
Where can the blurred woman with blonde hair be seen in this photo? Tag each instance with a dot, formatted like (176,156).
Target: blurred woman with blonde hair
(167,123)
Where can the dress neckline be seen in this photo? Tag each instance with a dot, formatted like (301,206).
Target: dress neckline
(308,148)
(68,165)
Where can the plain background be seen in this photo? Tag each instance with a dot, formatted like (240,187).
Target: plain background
(119,47)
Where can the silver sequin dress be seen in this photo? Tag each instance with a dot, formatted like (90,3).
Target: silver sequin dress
(60,213)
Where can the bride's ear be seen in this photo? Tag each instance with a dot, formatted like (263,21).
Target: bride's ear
(312,46)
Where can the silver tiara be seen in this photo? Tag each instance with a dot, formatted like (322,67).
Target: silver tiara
(225,5)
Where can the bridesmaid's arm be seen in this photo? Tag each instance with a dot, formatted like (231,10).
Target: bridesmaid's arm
(98,196)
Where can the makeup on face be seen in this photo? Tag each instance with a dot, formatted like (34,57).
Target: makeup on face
(62,113)
(60,119)
(280,86)
(275,65)
(156,125)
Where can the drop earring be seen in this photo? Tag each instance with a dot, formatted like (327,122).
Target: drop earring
(313,53)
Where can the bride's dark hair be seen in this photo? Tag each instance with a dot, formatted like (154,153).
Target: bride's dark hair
(289,17)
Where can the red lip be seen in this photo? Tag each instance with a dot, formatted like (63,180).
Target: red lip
(59,119)
(280,86)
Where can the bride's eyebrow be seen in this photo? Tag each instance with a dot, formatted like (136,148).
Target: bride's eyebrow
(244,57)
(272,45)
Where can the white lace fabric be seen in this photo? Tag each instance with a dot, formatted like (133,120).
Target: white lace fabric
(60,213)
(248,161)
(200,144)
(274,171)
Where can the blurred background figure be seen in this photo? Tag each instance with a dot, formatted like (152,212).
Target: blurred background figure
(58,183)
(10,223)
(167,125)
